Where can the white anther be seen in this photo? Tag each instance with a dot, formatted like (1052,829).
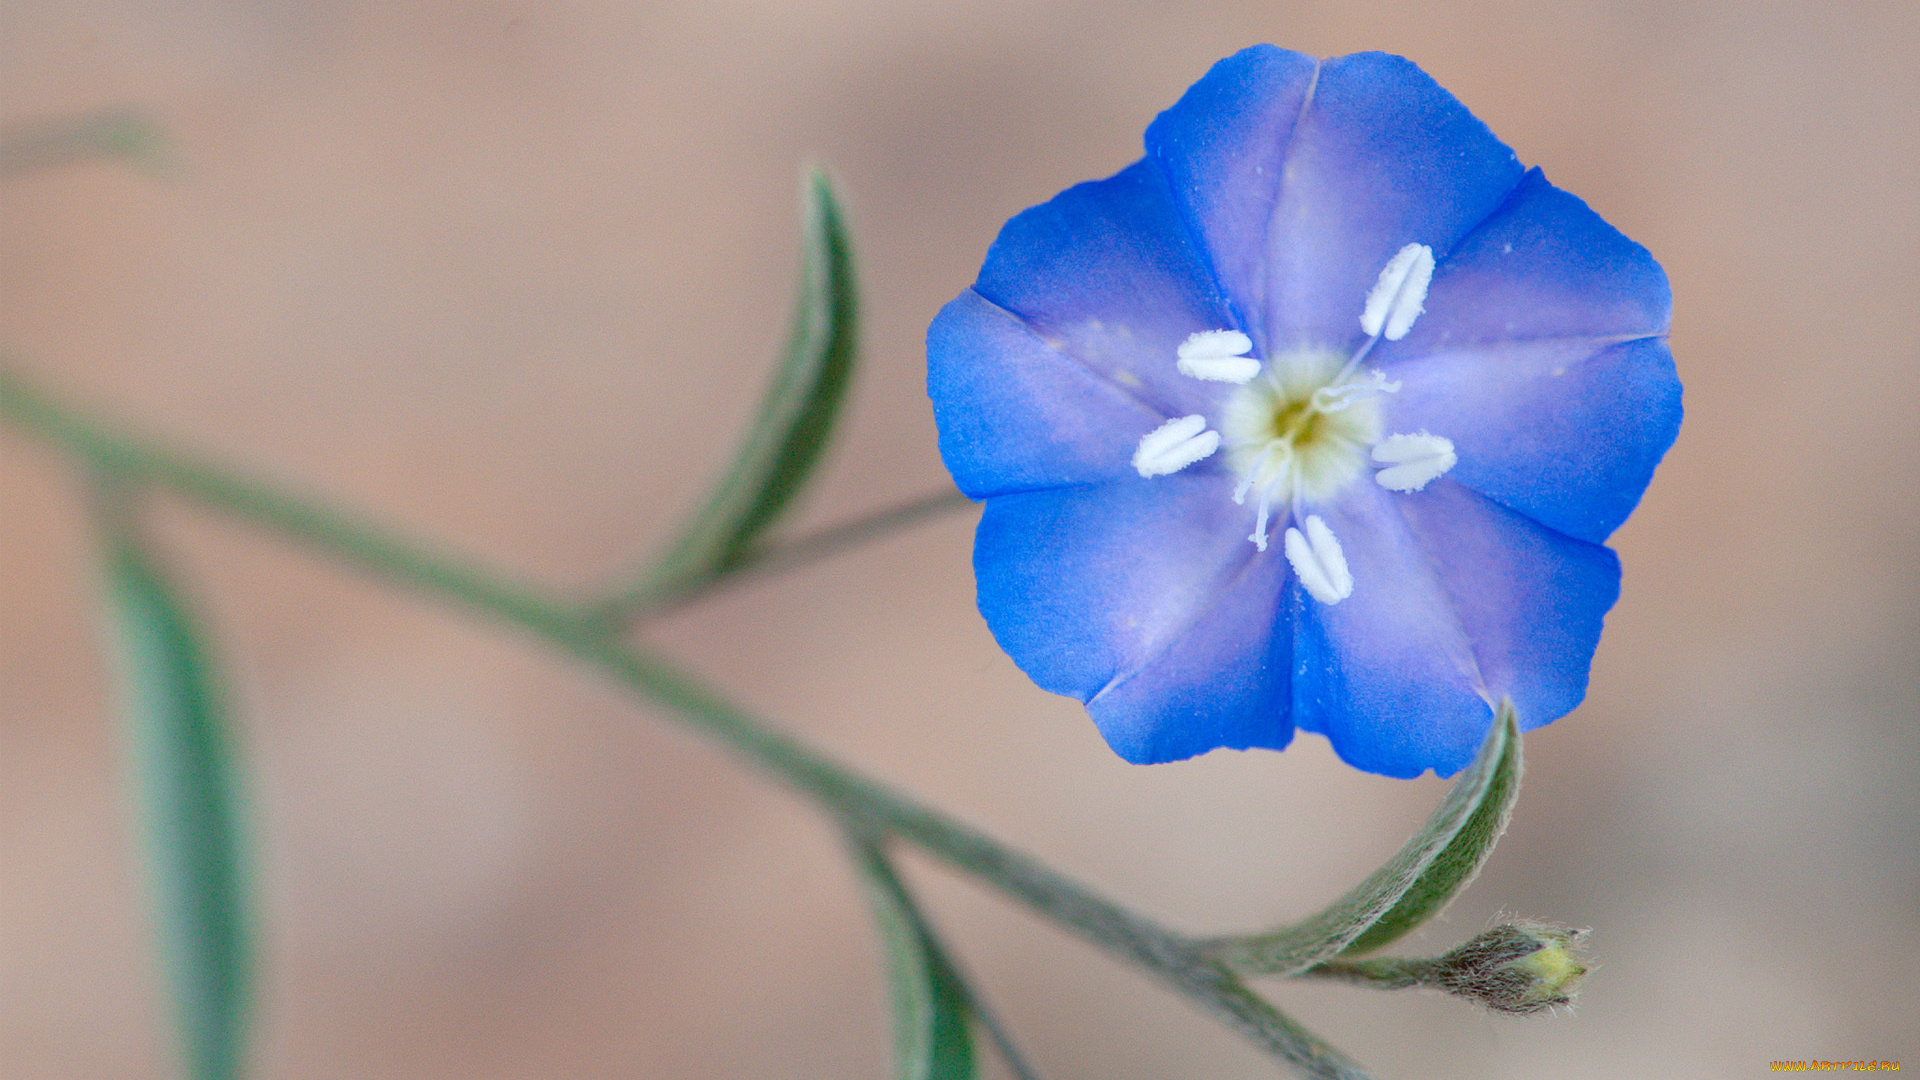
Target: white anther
(1318,562)
(1174,445)
(1216,356)
(1398,297)
(1412,460)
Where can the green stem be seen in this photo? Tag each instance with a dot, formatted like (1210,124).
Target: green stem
(647,600)
(355,542)
(1384,973)
(71,140)
(860,802)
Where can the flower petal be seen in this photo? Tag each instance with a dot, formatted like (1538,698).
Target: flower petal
(1531,599)
(1543,266)
(1144,599)
(1565,430)
(1014,414)
(1388,673)
(1107,274)
(1222,147)
(1222,683)
(1381,157)
(1457,602)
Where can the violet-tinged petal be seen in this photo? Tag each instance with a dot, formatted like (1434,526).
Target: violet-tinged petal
(1388,673)
(1381,157)
(1531,599)
(1543,266)
(1107,273)
(1146,590)
(1222,683)
(1014,414)
(1222,147)
(1565,430)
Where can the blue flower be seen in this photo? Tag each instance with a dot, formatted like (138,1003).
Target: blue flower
(1317,416)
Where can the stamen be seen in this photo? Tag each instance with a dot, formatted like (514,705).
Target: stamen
(1397,298)
(1412,461)
(1318,562)
(1252,476)
(1174,445)
(1259,536)
(1217,356)
(1256,471)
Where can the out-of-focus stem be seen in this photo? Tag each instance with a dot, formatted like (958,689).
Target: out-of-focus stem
(658,598)
(860,802)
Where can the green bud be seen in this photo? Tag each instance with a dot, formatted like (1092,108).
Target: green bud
(1519,968)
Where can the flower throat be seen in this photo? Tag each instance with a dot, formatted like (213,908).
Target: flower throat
(1305,424)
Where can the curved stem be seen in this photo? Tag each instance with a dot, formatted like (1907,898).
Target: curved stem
(650,599)
(1173,958)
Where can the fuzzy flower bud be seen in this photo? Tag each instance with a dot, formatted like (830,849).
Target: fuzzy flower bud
(1518,968)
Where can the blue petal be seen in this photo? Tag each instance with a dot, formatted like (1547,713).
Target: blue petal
(1143,598)
(1381,157)
(1543,266)
(1223,148)
(1564,430)
(1224,683)
(1530,599)
(1532,357)
(1457,602)
(1107,274)
(1387,674)
(1014,414)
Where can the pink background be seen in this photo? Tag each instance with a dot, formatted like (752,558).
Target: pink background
(511,274)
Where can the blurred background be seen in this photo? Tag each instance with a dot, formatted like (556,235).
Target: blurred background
(510,275)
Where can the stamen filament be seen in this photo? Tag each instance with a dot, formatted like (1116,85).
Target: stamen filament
(1253,474)
(1398,298)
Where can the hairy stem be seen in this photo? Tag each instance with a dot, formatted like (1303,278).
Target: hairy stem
(1384,973)
(655,598)
(858,801)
